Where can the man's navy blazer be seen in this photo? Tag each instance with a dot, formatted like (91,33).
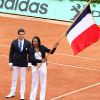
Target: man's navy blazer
(16,57)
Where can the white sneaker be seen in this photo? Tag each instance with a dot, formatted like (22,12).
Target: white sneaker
(10,95)
(22,97)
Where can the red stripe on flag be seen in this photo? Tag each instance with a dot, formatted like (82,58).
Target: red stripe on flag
(99,32)
(85,39)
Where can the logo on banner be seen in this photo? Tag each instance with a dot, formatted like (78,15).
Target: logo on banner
(76,8)
(24,6)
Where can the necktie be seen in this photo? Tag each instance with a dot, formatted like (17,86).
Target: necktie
(20,46)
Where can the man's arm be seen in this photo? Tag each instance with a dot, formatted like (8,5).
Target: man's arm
(11,54)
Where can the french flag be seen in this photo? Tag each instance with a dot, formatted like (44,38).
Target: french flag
(83,32)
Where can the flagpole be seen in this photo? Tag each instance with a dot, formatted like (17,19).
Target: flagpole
(53,48)
(65,32)
(70,26)
(58,42)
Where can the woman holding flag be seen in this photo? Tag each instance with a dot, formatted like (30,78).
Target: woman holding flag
(77,41)
(37,60)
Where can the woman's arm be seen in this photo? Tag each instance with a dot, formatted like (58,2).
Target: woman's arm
(53,50)
(49,50)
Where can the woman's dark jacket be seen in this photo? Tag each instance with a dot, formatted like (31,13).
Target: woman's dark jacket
(43,51)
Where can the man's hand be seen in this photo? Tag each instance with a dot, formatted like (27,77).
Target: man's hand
(11,67)
(29,68)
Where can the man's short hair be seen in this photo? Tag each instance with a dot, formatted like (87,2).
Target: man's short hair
(21,30)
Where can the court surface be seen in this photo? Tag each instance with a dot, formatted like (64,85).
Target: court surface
(69,77)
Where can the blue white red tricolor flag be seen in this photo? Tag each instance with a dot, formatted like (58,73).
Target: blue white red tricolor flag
(83,32)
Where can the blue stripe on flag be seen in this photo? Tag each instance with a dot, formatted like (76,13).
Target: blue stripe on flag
(85,12)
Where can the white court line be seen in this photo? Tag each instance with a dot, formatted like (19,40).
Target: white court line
(88,58)
(5,46)
(75,90)
(4,56)
(71,66)
(81,89)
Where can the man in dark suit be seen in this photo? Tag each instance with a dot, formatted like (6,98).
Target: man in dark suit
(18,61)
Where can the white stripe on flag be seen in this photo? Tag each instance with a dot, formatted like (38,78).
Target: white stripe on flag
(83,25)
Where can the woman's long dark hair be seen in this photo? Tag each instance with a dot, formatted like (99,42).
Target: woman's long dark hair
(38,39)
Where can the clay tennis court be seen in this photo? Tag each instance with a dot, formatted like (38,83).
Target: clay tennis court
(69,77)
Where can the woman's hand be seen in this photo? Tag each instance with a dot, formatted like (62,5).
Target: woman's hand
(56,44)
(38,65)
(44,60)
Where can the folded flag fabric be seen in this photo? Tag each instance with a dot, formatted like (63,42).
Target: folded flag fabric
(83,32)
